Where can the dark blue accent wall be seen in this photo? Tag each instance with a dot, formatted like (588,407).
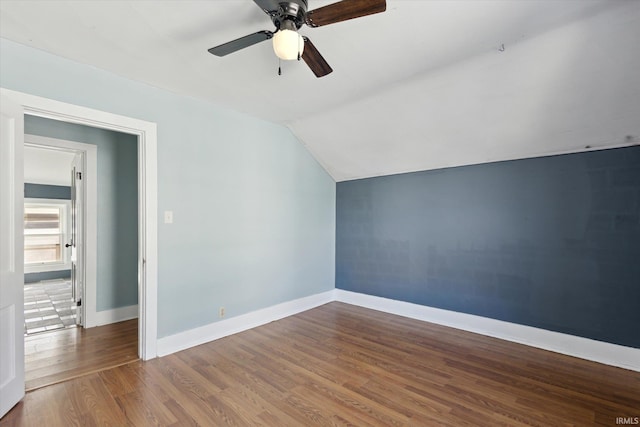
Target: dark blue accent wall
(550,242)
(41,191)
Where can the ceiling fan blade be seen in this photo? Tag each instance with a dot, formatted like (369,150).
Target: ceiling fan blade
(241,43)
(314,60)
(344,10)
(267,5)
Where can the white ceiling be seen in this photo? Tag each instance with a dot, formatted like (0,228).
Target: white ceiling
(423,85)
(45,166)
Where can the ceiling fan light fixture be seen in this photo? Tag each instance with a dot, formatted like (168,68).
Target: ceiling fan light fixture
(288,44)
(288,16)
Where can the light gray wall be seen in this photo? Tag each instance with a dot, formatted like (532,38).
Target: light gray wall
(254,213)
(117,275)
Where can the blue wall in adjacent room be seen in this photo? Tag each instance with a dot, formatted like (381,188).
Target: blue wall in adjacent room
(551,242)
(42,191)
(117,240)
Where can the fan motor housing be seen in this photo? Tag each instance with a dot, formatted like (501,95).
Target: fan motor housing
(293,11)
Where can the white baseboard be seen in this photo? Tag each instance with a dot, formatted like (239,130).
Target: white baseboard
(119,314)
(223,328)
(584,348)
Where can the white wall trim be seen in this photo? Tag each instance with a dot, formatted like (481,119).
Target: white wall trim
(223,328)
(584,348)
(114,315)
(148,195)
(46,268)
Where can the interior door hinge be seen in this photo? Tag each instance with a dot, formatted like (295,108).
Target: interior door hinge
(79,175)
(79,303)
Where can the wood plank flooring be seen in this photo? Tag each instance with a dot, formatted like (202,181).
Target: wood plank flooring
(69,353)
(343,365)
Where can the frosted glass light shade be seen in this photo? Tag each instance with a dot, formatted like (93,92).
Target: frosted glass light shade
(287,44)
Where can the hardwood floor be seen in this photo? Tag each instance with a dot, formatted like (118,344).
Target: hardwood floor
(68,353)
(343,365)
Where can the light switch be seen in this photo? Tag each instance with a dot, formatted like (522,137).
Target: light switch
(168,217)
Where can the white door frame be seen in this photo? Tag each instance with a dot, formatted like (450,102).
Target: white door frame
(11,256)
(147,197)
(89,233)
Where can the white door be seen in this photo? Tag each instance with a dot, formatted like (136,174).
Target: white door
(77,235)
(11,255)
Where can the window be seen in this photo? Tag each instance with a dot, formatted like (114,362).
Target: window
(45,227)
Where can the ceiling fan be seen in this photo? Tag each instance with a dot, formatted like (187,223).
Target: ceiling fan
(288,16)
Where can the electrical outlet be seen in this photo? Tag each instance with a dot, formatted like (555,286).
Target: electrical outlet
(221,312)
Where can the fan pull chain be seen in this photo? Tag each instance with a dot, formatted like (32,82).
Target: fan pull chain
(279,67)
(299,48)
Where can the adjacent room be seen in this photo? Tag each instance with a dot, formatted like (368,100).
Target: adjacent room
(58,277)
(48,295)
(356,212)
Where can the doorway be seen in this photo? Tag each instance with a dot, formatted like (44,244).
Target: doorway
(99,168)
(52,215)
(14,106)
(104,188)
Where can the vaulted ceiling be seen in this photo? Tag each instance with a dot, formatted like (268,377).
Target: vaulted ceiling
(424,85)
